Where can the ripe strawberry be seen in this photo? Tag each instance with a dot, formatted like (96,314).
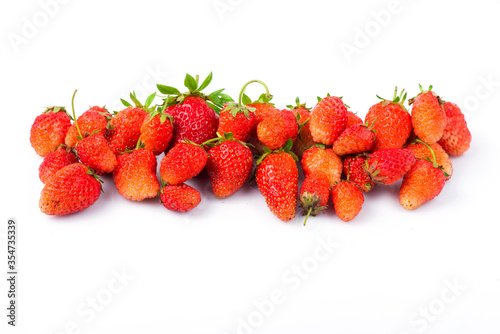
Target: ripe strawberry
(456,136)
(320,160)
(389,165)
(93,120)
(347,200)
(422,183)
(431,152)
(262,106)
(304,139)
(392,122)
(180,197)
(277,178)
(135,175)
(54,161)
(314,194)
(229,164)
(195,114)
(328,120)
(353,119)
(71,189)
(237,119)
(428,116)
(183,162)
(49,130)
(355,139)
(275,130)
(353,166)
(95,153)
(157,131)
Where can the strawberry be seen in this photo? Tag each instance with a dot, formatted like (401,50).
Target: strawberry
(353,119)
(73,188)
(347,200)
(434,151)
(392,122)
(180,197)
(277,128)
(229,164)
(195,114)
(49,130)
(277,178)
(428,116)
(54,161)
(157,131)
(314,194)
(304,139)
(456,136)
(389,165)
(135,175)
(237,119)
(93,120)
(320,160)
(353,166)
(95,153)
(422,183)
(183,162)
(262,107)
(328,120)
(355,139)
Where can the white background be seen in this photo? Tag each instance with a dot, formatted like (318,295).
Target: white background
(205,271)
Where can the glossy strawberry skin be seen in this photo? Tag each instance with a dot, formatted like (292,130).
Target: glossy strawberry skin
(125,129)
(70,190)
(428,117)
(54,161)
(389,165)
(262,111)
(239,125)
(277,178)
(391,123)
(324,161)
(156,133)
(229,165)
(48,131)
(275,130)
(347,199)
(93,120)
(353,166)
(94,152)
(421,151)
(135,175)
(183,162)
(180,197)
(456,137)
(355,139)
(421,184)
(328,120)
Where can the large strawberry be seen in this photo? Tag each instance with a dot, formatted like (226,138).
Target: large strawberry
(456,137)
(49,130)
(389,165)
(391,122)
(183,162)
(157,130)
(320,160)
(428,116)
(314,194)
(71,189)
(328,120)
(180,197)
(195,114)
(54,161)
(93,120)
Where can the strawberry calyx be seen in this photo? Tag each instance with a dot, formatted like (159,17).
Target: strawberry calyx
(94,175)
(234,108)
(147,106)
(160,110)
(297,105)
(266,97)
(285,149)
(422,91)
(310,203)
(396,99)
(222,138)
(328,95)
(433,160)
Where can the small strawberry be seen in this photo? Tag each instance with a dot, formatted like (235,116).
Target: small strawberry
(93,120)
(180,197)
(355,139)
(328,120)
(423,151)
(277,178)
(320,160)
(353,119)
(73,188)
(277,128)
(314,195)
(49,130)
(54,161)
(392,122)
(135,175)
(456,135)
(229,165)
(389,165)
(157,131)
(428,116)
(183,162)
(347,200)
(304,139)
(262,107)
(95,153)
(353,166)
(237,119)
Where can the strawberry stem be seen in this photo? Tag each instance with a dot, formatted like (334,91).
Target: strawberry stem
(434,163)
(74,115)
(240,98)
(308,213)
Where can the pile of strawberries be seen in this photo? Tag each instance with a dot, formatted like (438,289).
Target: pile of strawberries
(341,156)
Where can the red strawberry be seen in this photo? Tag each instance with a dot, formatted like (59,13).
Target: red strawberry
(262,106)
(180,197)
(304,139)
(422,183)
(389,165)
(54,161)
(157,131)
(49,130)
(347,200)
(135,175)
(353,119)
(125,129)
(433,152)
(95,153)
(456,135)
(428,116)
(71,189)
(229,165)
(93,120)
(277,178)
(319,160)
(328,120)
(392,122)
(314,194)
(275,130)
(183,162)
(354,167)
(238,120)
(355,139)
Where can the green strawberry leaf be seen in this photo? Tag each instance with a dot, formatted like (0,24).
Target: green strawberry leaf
(190,83)
(246,99)
(149,100)
(167,90)
(125,103)
(205,83)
